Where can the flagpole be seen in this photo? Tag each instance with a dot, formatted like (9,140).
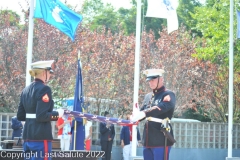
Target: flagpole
(30,43)
(136,74)
(230,92)
(75,135)
(75,123)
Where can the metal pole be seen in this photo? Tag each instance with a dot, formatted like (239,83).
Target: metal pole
(136,75)
(230,92)
(75,136)
(30,43)
(165,143)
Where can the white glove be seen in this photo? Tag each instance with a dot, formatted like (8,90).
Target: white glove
(60,112)
(138,116)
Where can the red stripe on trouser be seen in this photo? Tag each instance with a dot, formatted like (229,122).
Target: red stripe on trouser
(167,152)
(45,146)
(88,144)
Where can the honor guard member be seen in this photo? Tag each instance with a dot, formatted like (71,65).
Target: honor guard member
(159,105)
(36,109)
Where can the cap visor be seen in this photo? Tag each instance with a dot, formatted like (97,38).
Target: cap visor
(150,78)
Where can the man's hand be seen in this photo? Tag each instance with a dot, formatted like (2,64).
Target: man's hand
(122,144)
(138,116)
(152,108)
(139,144)
(108,125)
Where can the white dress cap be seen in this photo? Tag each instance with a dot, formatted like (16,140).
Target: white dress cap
(42,64)
(153,73)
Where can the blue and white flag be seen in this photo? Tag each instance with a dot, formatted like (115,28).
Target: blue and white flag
(164,9)
(57,14)
(238,24)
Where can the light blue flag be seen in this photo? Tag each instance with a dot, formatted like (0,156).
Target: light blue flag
(57,14)
(238,24)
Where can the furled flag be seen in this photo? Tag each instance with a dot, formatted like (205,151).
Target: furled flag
(238,24)
(78,128)
(164,9)
(57,14)
(98,118)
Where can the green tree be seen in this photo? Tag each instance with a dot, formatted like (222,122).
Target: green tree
(103,19)
(10,48)
(108,66)
(13,18)
(212,21)
(185,10)
(90,9)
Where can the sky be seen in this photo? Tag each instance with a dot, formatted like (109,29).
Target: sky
(15,5)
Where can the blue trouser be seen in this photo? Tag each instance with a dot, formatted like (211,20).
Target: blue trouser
(155,153)
(37,150)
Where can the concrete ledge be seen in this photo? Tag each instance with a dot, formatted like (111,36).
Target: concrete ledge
(136,158)
(233,158)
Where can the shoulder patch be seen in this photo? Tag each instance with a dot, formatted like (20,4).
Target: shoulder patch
(45,98)
(166,98)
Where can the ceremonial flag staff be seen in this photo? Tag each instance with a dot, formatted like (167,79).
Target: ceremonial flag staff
(136,75)
(78,123)
(230,90)
(30,43)
(75,124)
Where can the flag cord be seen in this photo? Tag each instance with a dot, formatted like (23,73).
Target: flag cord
(142,27)
(143,18)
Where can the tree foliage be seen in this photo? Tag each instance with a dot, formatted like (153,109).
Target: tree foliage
(97,15)
(107,56)
(212,20)
(185,10)
(108,63)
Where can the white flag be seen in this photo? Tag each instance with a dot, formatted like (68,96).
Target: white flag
(164,9)
(157,9)
(172,22)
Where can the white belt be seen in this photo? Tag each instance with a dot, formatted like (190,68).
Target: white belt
(163,121)
(154,119)
(30,115)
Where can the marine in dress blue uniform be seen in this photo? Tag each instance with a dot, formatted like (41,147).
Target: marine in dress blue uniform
(160,103)
(36,109)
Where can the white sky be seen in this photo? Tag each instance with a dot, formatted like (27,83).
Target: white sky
(14,4)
